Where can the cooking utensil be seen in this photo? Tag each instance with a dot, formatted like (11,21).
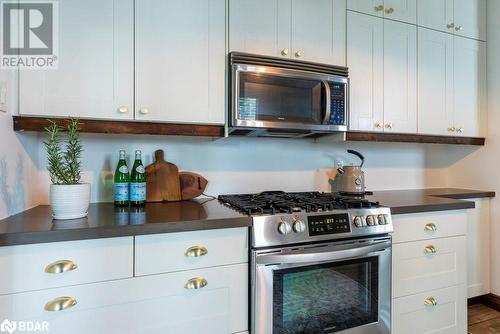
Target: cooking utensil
(192,185)
(352,178)
(162,179)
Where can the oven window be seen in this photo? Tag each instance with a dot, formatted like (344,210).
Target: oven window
(325,298)
(279,99)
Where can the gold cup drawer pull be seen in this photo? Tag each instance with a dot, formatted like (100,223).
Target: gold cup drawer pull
(61,266)
(60,304)
(430,250)
(196,251)
(430,301)
(196,283)
(430,227)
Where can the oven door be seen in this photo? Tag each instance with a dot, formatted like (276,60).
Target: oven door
(279,98)
(329,288)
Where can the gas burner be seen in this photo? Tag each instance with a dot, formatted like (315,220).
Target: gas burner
(273,202)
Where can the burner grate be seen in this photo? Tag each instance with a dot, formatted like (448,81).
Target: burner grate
(272,202)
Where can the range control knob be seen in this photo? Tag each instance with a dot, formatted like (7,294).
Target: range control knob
(284,228)
(299,226)
(381,220)
(358,222)
(371,220)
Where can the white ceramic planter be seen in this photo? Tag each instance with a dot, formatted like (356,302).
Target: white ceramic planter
(69,201)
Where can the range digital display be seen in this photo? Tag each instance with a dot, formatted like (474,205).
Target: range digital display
(328,224)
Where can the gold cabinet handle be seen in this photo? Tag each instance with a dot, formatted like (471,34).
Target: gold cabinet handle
(430,301)
(285,52)
(430,227)
(389,126)
(459,28)
(196,283)
(123,109)
(389,10)
(379,125)
(430,250)
(451,129)
(450,25)
(298,54)
(61,266)
(60,304)
(460,130)
(379,8)
(196,251)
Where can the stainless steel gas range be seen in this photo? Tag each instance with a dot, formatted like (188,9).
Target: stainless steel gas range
(320,263)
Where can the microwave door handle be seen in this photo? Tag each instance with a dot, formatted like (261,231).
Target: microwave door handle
(329,255)
(328,107)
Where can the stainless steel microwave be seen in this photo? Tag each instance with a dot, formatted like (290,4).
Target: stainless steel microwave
(286,98)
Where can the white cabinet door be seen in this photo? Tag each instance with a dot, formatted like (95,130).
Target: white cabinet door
(95,74)
(401,10)
(470,18)
(469,85)
(478,249)
(436,14)
(318,31)
(260,27)
(435,82)
(365,47)
(372,7)
(400,77)
(415,270)
(180,60)
(448,316)
(155,304)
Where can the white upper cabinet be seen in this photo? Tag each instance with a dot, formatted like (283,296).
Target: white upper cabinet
(400,77)
(180,60)
(452,84)
(365,47)
(382,61)
(399,10)
(461,17)
(260,27)
(299,29)
(435,82)
(470,18)
(470,86)
(95,74)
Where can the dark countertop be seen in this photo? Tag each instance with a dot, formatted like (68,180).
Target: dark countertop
(105,221)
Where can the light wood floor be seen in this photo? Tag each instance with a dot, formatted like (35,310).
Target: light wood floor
(483,320)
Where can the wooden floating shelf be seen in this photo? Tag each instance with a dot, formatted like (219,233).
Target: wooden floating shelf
(28,123)
(412,138)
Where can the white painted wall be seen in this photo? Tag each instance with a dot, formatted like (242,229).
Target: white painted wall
(18,159)
(481,168)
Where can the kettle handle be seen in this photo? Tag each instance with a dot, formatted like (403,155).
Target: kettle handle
(359,155)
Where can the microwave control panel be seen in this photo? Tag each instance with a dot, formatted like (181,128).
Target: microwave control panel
(337,107)
(328,224)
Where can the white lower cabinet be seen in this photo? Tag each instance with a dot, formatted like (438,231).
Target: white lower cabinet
(449,315)
(150,304)
(429,273)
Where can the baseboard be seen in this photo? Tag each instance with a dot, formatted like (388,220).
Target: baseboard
(490,300)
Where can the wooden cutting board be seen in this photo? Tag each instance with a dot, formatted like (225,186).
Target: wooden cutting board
(162,180)
(192,185)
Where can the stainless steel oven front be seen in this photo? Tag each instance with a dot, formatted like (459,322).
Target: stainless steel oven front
(337,287)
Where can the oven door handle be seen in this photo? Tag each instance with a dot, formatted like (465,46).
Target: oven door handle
(335,254)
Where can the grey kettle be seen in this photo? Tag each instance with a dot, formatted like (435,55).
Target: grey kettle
(352,178)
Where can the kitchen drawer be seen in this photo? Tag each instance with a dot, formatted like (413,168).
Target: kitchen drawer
(163,253)
(412,227)
(448,316)
(413,271)
(24,267)
(151,304)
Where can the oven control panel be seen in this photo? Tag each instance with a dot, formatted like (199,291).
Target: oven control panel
(328,224)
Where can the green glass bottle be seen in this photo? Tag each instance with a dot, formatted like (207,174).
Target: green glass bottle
(138,182)
(122,182)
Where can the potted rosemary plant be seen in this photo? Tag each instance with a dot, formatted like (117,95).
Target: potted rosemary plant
(69,197)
